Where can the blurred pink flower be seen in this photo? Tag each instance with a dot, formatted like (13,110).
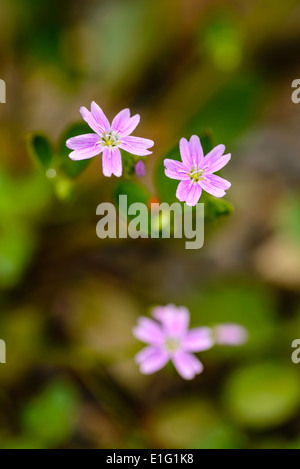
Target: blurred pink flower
(230,334)
(140,169)
(108,139)
(195,172)
(169,338)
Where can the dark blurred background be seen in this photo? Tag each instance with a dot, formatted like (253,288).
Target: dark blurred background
(69,300)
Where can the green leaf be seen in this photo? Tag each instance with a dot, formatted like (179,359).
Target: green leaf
(39,148)
(70,168)
(50,417)
(215,208)
(265,395)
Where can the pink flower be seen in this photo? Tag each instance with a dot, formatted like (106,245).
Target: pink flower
(140,169)
(169,338)
(195,172)
(108,139)
(230,334)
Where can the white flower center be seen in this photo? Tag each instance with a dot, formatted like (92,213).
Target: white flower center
(196,175)
(172,344)
(110,139)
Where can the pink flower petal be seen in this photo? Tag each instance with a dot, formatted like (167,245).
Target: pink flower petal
(196,151)
(152,360)
(120,121)
(194,195)
(218,164)
(215,185)
(187,365)
(188,192)
(90,120)
(131,125)
(136,145)
(198,339)
(100,117)
(111,162)
(145,353)
(212,157)
(148,331)
(176,170)
(133,150)
(183,190)
(230,334)
(85,153)
(219,182)
(82,142)
(175,320)
(184,148)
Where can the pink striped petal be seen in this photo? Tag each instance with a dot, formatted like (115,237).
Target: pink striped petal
(184,148)
(82,142)
(134,150)
(148,331)
(194,195)
(187,365)
(198,339)
(100,117)
(215,185)
(212,158)
(183,190)
(196,151)
(176,170)
(130,125)
(218,164)
(136,145)
(188,192)
(90,120)
(120,121)
(217,181)
(111,162)
(85,153)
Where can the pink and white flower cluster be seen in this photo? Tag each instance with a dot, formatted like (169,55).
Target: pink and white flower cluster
(169,338)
